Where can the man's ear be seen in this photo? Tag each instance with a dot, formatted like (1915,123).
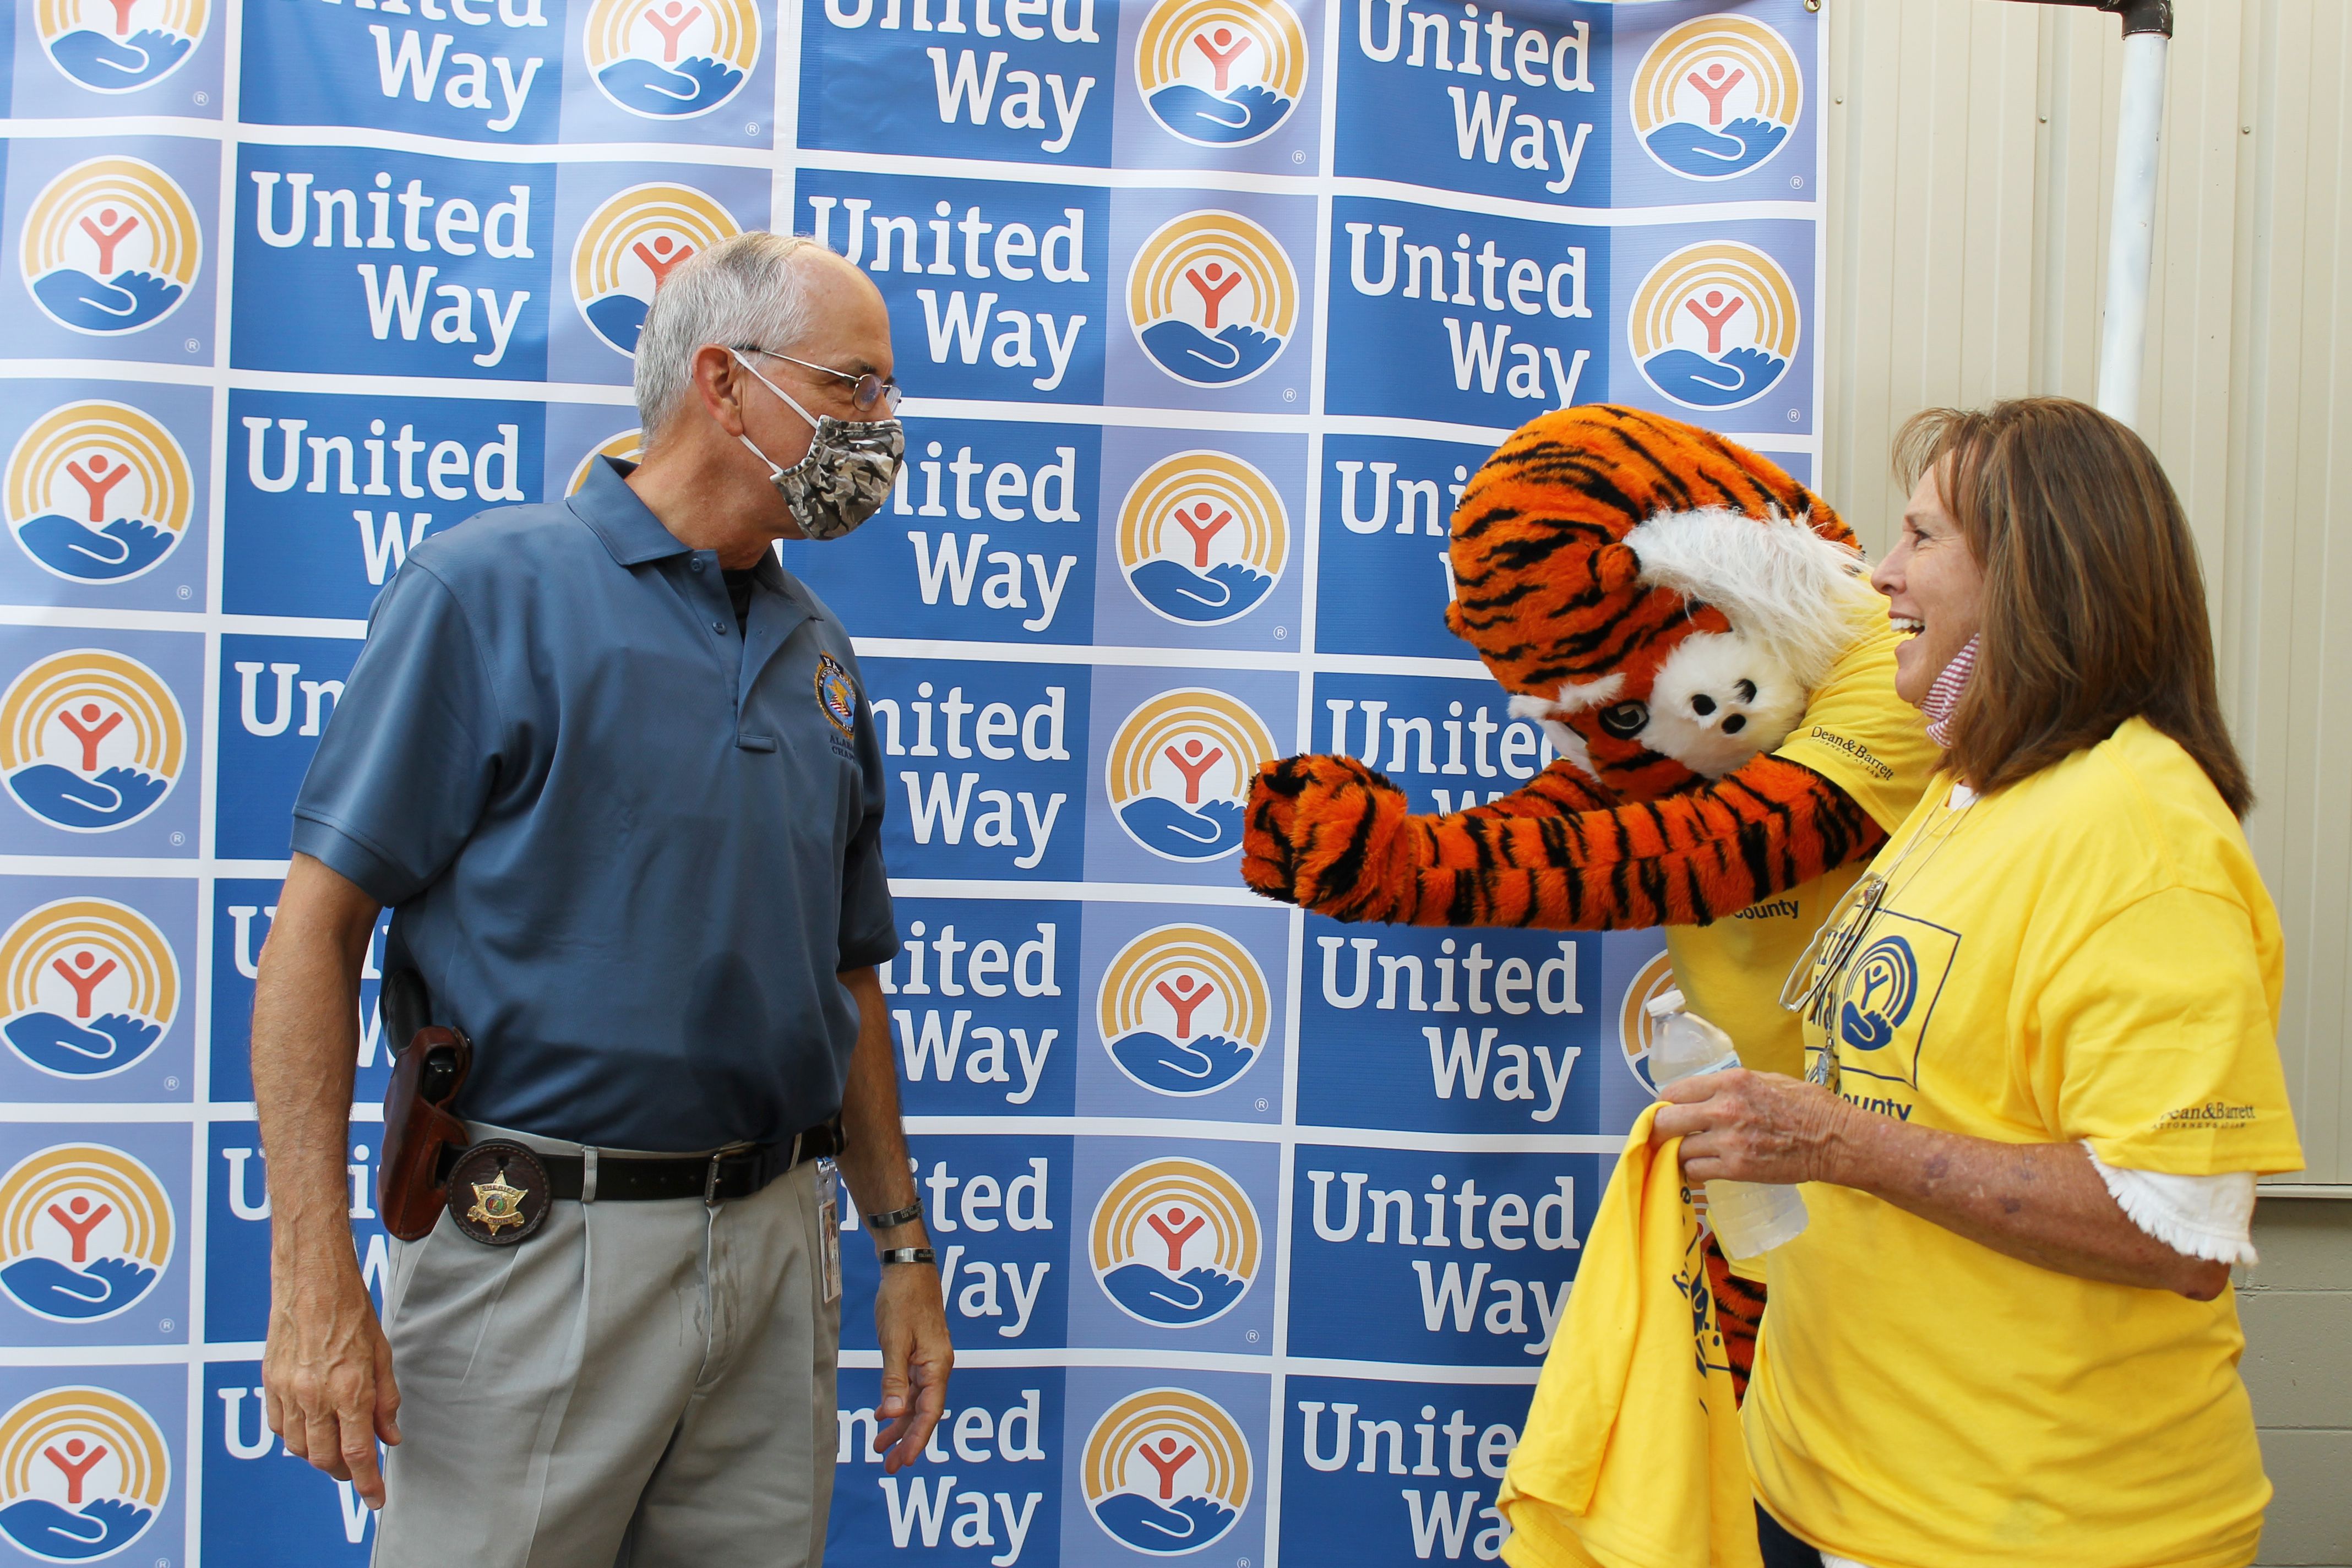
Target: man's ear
(719,382)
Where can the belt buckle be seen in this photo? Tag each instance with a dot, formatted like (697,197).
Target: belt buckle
(710,1181)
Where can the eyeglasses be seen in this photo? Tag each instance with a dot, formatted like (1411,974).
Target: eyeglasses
(865,391)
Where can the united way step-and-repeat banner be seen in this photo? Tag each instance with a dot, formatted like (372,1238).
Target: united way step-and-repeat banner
(1254,1227)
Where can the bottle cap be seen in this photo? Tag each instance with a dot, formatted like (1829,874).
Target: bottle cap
(1664,1003)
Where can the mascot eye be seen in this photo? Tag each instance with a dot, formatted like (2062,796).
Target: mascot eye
(1625,720)
(1747,689)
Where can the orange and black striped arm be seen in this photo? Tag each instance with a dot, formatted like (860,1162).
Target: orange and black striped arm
(1738,1317)
(1332,836)
(1560,790)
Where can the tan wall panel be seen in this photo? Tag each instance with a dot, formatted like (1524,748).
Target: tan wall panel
(1971,152)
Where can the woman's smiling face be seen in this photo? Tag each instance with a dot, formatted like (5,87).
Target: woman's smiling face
(1934,588)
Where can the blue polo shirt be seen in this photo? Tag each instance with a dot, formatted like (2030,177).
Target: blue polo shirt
(627,847)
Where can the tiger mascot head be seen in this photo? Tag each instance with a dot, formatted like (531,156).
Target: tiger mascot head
(1660,600)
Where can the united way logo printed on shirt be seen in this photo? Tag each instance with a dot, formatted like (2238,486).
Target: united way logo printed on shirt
(110,246)
(1883,988)
(1180,772)
(629,245)
(1212,298)
(1637,1030)
(1184,1010)
(1203,538)
(1716,96)
(83,1472)
(671,60)
(628,446)
(1715,325)
(90,740)
(117,46)
(99,492)
(1221,73)
(1176,1243)
(1887,997)
(1166,1472)
(85,1232)
(91,987)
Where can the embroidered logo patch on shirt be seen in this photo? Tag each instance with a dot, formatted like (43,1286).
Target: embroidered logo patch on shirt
(835,694)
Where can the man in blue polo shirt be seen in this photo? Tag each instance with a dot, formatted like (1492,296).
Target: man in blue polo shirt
(615,775)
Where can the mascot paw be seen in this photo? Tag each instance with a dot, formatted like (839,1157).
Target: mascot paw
(1318,834)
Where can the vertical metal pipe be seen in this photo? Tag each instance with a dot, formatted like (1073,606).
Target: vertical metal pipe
(2123,334)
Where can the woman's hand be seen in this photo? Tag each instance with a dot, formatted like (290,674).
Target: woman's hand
(1745,1126)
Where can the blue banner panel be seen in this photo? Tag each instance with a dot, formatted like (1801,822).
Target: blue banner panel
(1253,1226)
(1373,1469)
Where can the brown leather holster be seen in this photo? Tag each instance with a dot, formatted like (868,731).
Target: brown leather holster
(412,1181)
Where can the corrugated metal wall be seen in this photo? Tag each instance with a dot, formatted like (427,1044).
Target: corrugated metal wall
(1971,147)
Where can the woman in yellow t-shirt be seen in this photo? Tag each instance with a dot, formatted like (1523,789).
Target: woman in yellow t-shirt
(2042,1054)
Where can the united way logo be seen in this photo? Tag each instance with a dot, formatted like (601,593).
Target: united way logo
(1180,773)
(629,245)
(1185,1010)
(1637,1030)
(99,492)
(1715,325)
(85,1232)
(628,446)
(83,1472)
(110,246)
(1880,996)
(1716,96)
(1221,73)
(1166,1472)
(1176,1243)
(91,987)
(1212,298)
(90,740)
(114,45)
(671,60)
(1202,537)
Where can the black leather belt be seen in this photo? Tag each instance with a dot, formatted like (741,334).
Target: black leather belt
(727,1176)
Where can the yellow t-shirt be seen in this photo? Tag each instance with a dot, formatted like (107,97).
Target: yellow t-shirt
(2086,955)
(1858,734)
(1633,1456)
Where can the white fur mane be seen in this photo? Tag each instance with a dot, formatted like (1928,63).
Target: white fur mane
(1782,586)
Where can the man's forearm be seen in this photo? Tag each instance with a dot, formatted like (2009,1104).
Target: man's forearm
(305,1048)
(875,1161)
(2040,1202)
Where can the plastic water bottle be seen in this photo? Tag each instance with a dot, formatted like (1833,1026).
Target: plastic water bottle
(1749,1218)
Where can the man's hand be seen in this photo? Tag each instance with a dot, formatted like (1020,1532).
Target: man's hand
(326,1374)
(910,1318)
(1745,1126)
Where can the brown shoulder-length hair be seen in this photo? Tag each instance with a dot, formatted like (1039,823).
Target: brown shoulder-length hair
(2094,602)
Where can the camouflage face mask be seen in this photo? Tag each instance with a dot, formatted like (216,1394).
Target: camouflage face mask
(846,474)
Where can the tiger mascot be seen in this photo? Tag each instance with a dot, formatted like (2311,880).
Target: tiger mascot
(1693,631)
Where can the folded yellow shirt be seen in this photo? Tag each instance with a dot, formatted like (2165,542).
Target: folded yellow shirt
(1632,1455)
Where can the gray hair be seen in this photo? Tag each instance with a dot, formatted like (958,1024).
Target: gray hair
(746,290)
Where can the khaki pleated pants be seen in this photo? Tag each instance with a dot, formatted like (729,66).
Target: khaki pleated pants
(640,1384)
